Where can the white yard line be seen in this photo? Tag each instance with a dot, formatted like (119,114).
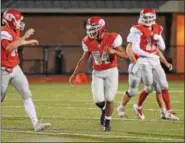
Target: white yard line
(86,101)
(81,108)
(119,91)
(95,135)
(90,118)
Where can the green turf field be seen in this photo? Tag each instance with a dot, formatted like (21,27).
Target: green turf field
(74,117)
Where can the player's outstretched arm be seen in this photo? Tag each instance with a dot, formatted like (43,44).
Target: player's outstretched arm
(164,61)
(130,53)
(22,41)
(81,64)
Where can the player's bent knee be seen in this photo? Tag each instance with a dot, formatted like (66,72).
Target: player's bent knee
(148,89)
(164,86)
(132,92)
(110,98)
(98,99)
(157,90)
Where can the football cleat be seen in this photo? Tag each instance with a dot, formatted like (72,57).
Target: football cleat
(39,127)
(121,112)
(169,116)
(139,112)
(107,126)
(106,129)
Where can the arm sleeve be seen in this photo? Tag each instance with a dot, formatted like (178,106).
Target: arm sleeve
(160,40)
(5,35)
(129,37)
(84,46)
(118,41)
(161,43)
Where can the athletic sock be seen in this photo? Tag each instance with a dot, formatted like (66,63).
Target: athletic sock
(121,106)
(30,109)
(163,111)
(107,120)
(142,97)
(166,99)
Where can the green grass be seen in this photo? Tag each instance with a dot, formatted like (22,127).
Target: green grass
(75,118)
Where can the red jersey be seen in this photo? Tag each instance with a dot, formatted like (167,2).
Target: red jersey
(101,59)
(9,59)
(147,43)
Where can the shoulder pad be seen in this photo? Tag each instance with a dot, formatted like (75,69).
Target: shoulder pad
(85,39)
(135,29)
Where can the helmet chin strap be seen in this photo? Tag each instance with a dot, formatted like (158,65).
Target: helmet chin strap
(100,37)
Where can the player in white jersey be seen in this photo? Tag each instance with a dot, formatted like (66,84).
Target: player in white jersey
(134,80)
(146,41)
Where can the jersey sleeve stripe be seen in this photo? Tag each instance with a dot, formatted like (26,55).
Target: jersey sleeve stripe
(84,46)
(118,41)
(5,35)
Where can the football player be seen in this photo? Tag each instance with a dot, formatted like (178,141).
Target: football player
(104,48)
(146,40)
(11,72)
(134,80)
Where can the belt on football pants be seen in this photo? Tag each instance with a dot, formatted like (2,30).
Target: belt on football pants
(9,70)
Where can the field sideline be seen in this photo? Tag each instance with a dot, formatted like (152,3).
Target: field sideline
(75,118)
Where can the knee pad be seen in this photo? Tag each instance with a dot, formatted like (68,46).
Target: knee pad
(164,85)
(132,92)
(109,99)
(157,88)
(148,89)
(100,104)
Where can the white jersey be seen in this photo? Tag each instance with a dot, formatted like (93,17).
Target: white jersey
(134,37)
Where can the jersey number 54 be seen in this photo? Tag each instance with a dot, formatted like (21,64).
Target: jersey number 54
(98,58)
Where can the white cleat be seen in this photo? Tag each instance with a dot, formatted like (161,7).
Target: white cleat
(169,116)
(121,112)
(41,126)
(139,112)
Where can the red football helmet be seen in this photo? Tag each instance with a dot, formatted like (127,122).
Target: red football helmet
(95,27)
(13,18)
(147,17)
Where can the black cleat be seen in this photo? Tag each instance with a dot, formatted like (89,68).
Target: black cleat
(107,126)
(102,117)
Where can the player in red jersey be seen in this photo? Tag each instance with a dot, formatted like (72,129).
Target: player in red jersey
(11,72)
(104,48)
(146,39)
